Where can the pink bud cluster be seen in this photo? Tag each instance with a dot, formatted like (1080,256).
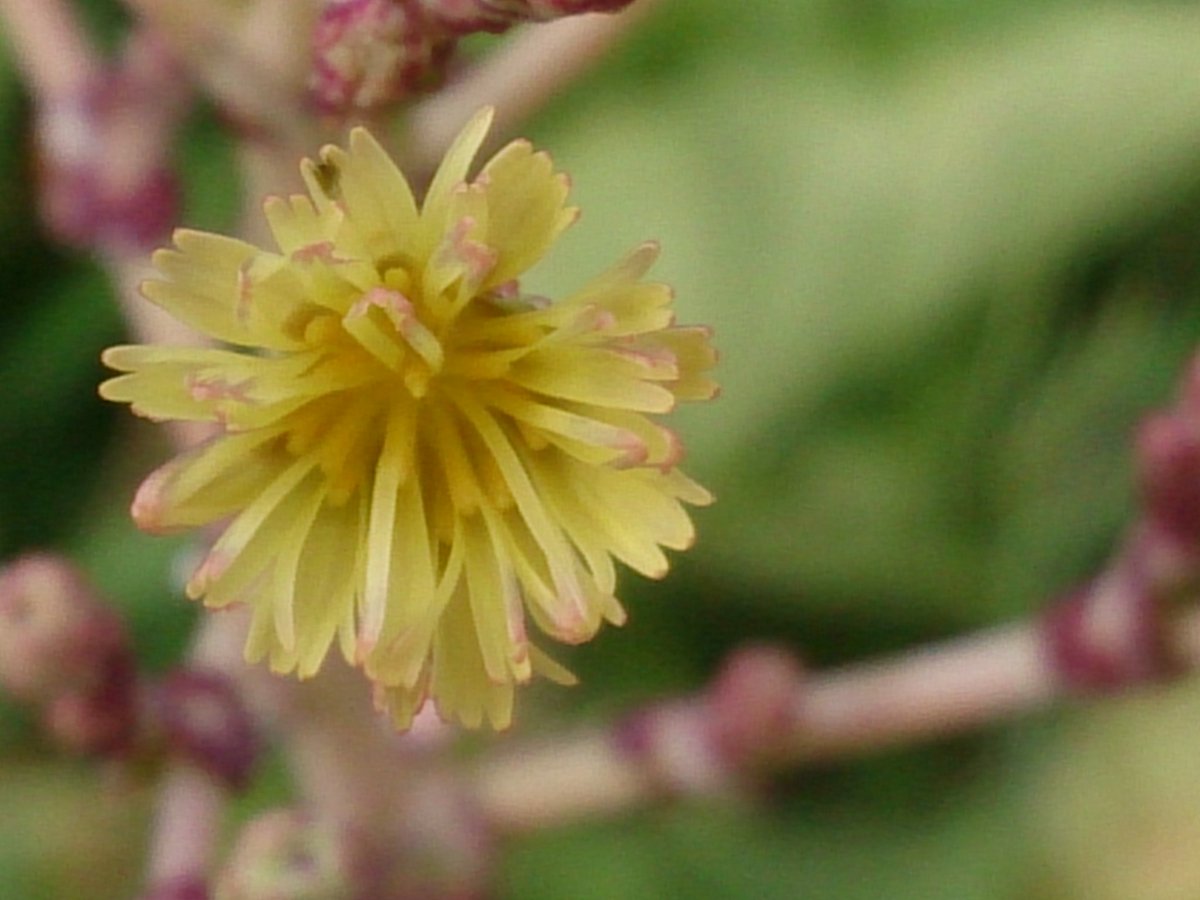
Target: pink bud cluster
(368,54)
(749,713)
(64,651)
(202,719)
(284,853)
(105,180)
(1168,458)
(67,653)
(1111,631)
(435,847)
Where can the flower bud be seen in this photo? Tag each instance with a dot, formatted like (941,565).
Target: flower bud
(754,702)
(56,636)
(283,853)
(99,721)
(203,720)
(368,54)
(103,150)
(1168,453)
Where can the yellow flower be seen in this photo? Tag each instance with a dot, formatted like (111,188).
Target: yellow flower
(414,454)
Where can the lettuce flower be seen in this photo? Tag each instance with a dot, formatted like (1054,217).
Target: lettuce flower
(414,456)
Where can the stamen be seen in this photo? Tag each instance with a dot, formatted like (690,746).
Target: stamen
(400,312)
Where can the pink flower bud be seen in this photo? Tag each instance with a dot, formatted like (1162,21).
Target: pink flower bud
(56,636)
(283,853)
(99,721)
(83,209)
(104,152)
(1168,456)
(203,720)
(368,54)
(754,702)
(1108,634)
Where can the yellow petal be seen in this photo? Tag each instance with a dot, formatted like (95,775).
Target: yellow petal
(203,285)
(395,465)
(205,484)
(296,224)
(599,380)
(324,591)
(452,172)
(460,684)
(692,347)
(372,183)
(548,668)
(525,204)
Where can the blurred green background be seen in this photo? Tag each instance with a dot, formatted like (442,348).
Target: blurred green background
(951,254)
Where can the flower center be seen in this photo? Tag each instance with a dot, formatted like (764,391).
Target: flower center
(385,323)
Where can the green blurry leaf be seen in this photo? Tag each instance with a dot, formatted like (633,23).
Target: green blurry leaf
(966,851)
(52,421)
(64,835)
(831,222)
(1115,804)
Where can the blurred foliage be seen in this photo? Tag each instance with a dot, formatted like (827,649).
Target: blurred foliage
(1115,810)
(950,251)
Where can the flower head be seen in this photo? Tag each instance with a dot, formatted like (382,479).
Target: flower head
(415,455)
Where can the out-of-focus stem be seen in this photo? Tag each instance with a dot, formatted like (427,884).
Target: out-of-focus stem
(348,764)
(929,692)
(534,64)
(579,776)
(923,694)
(187,826)
(253,64)
(191,803)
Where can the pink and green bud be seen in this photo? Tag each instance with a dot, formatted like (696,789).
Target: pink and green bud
(103,153)
(102,721)
(755,703)
(1109,634)
(284,853)
(56,636)
(369,54)
(1168,456)
(202,719)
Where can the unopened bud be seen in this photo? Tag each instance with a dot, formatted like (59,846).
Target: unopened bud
(1108,634)
(1168,455)
(56,636)
(284,853)
(82,208)
(100,721)
(754,702)
(368,54)
(203,720)
(104,151)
